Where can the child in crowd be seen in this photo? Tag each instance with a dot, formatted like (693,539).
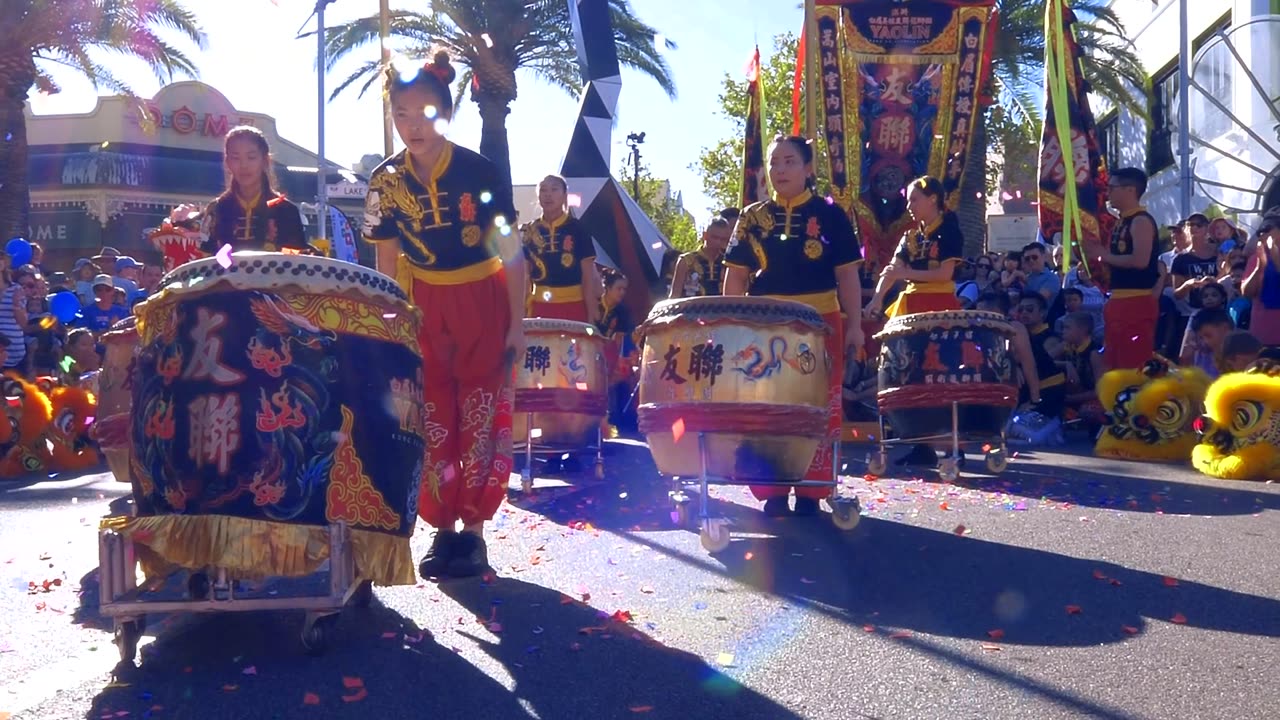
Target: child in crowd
(1240,349)
(104,312)
(1211,328)
(1083,364)
(1212,297)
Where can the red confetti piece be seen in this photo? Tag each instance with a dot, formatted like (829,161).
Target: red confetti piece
(1170,582)
(901,634)
(641,708)
(1129,630)
(943,506)
(869,628)
(995,634)
(356,696)
(310,699)
(1074,610)
(230,688)
(989,647)
(1099,575)
(748,556)
(961,530)
(1178,619)
(1114,582)
(351,683)
(677,430)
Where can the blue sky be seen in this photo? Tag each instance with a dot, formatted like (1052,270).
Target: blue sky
(248,37)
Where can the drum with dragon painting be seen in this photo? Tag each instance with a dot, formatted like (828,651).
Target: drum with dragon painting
(930,360)
(749,373)
(272,398)
(115,399)
(562,384)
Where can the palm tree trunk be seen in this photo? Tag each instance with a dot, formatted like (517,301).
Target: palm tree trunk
(494,144)
(972,210)
(17,73)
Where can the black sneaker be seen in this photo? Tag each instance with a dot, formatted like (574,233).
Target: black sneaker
(435,564)
(470,556)
(920,455)
(776,507)
(806,506)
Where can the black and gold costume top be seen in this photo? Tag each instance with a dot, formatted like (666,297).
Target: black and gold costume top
(447,220)
(793,247)
(927,249)
(264,223)
(1129,278)
(555,250)
(613,320)
(1081,358)
(705,275)
(1046,367)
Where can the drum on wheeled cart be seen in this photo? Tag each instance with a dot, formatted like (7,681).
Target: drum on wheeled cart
(561,394)
(734,391)
(946,377)
(276,444)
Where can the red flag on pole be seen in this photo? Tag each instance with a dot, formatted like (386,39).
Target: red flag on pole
(753,176)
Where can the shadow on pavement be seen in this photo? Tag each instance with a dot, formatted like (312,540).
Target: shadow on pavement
(571,660)
(249,666)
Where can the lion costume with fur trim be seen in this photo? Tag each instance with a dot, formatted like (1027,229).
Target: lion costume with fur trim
(1151,412)
(27,415)
(1240,430)
(71,449)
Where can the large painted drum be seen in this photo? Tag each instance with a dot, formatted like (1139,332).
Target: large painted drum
(115,397)
(750,373)
(272,398)
(930,360)
(563,382)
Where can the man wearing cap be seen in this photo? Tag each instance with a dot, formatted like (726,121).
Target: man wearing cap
(126,275)
(1193,269)
(104,312)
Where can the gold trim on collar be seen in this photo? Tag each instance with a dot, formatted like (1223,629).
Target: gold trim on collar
(794,202)
(1135,211)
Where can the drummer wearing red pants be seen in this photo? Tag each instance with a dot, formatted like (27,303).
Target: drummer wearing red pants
(432,212)
(800,247)
(562,259)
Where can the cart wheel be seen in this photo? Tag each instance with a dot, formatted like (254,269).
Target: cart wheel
(997,461)
(599,469)
(128,633)
(877,462)
(317,633)
(363,595)
(948,470)
(526,480)
(198,586)
(715,535)
(846,513)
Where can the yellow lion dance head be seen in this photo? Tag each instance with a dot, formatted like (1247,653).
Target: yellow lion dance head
(1240,431)
(1151,412)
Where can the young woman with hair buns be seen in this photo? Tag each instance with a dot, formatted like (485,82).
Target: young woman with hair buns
(434,218)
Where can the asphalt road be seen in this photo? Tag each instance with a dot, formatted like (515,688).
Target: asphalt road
(1067,587)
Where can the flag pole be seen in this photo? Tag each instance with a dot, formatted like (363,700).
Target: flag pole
(384,30)
(811,69)
(1184,103)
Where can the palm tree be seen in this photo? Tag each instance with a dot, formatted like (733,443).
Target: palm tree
(491,40)
(38,34)
(1017,68)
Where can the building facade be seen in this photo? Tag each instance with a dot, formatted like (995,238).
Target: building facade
(108,176)
(1232,121)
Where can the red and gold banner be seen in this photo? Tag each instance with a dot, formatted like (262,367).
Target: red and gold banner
(1072,203)
(755,186)
(901,86)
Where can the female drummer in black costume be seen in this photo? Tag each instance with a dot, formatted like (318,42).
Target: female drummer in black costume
(249,214)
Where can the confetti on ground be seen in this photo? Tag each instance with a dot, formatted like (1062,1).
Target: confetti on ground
(1074,610)
(352,683)
(1170,582)
(251,670)
(230,688)
(1178,619)
(641,708)
(900,635)
(995,634)
(989,647)
(356,696)
(310,699)
(646,589)
(1129,630)
(724,659)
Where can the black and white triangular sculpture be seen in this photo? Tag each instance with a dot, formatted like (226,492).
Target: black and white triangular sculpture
(625,237)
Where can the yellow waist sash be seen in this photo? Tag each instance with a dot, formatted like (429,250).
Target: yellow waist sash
(548,294)
(407,271)
(825,302)
(946,286)
(1125,293)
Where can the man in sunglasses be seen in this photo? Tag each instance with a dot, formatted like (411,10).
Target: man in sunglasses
(1131,312)
(1194,269)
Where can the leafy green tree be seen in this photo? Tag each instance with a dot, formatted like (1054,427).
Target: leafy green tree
(491,40)
(655,200)
(37,34)
(721,164)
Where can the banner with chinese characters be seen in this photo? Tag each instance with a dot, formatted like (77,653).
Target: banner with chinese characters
(901,86)
(1074,203)
(755,186)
